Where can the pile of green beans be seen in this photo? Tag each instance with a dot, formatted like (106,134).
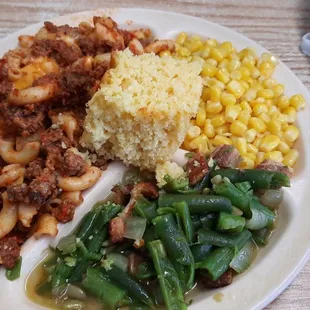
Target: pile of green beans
(191,232)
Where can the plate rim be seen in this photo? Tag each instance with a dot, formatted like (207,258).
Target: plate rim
(306,257)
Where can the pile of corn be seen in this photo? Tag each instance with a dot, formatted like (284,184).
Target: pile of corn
(241,104)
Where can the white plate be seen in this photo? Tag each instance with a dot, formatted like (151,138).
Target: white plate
(279,262)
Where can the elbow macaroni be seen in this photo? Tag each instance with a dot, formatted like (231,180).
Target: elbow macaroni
(88,179)
(26,213)
(8,216)
(12,174)
(46,225)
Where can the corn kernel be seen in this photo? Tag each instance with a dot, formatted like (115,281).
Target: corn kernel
(215,93)
(241,145)
(234,65)
(245,85)
(283,118)
(209,129)
(259,108)
(223,75)
(269,83)
(227,99)
(272,109)
(252,149)
(235,88)
(200,143)
(212,62)
(250,94)
(264,117)
(260,156)
(219,140)
(274,126)
(208,70)
(291,133)
(269,143)
(183,52)
(255,73)
(257,142)
(232,112)
(250,135)
(211,43)
(201,116)
(193,132)
(283,102)
(265,93)
(236,75)
(205,52)
(266,68)
(246,52)
(206,94)
(210,116)
(165,53)
(245,72)
(283,147)
(298,102)
(291,114)
(218,120)
(222,130)
(181,38)
(274,155)
(246,106)
(257,124)
(244,117)
(226,48)
(247,163)
(258,100)
(278,90)
(238,128)
(194,44)
(290,158)
(223,64)
(214,107)
(268,102)
(216,54)
(248,62)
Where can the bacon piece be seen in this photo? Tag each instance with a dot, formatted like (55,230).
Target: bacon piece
(226,156)
(117,229)
(197,168)
(274,166)
(225,280)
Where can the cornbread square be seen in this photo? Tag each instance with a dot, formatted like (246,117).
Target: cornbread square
(142,111)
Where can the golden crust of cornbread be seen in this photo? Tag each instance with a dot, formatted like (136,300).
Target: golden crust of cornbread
(142,111)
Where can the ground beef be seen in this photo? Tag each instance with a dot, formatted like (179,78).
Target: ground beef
(34,169)
(64,212)
(5,88)
(72,165)
(225,280)
(88,45)
(58,49)
(226,156)
(54,141)
(197,168)
(9,251)
(99,70)
(127,35)
(24,121)
(41,189)
(50,27)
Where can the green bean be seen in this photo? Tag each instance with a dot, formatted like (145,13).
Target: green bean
(133,288)
(262,236)
(201,251)
(238,198)
(196,222)
(14,273)
(150,234)
(175,185)
(230,223)
(224,240)
(87,225)
(165,210)
(145,271)
(217,262)
(167,276)
(78,271)
(173,239)
(106,213)
(146,209)
(102,287)
(259,179)
(60,274)
(72,304)
(94,242)
(203,183)
(185,219)
(197,203)
(209,220)
(245,187)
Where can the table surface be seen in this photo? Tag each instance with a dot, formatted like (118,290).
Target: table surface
(277,25)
